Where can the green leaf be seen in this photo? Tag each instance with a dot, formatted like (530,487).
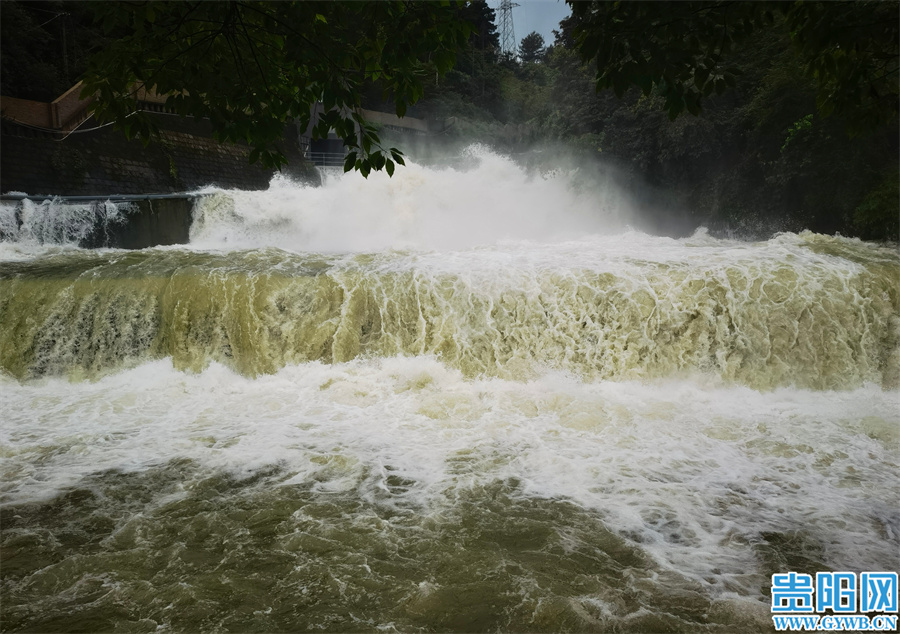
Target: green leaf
(701,74)
(692,103)
(645,83)
(349,161)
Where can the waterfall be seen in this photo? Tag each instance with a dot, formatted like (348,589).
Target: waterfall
(473,398)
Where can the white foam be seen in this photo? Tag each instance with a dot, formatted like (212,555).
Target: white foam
(691,470)
(53,222)
(492,199)
(693,473)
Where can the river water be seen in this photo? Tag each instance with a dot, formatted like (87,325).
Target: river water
(457,400)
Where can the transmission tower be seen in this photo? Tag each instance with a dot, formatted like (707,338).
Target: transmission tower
(508,42)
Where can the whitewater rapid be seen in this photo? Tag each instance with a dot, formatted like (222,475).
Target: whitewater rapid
(467,399)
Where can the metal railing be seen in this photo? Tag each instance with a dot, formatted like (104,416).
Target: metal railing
(327,159)
(116,198)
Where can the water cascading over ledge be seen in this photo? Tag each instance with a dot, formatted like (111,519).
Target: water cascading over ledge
(123,222)
(807,311)
(468,400)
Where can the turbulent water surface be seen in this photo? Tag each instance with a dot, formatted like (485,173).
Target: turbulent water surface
(451,400)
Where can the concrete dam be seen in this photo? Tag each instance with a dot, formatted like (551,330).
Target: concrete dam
(121,222)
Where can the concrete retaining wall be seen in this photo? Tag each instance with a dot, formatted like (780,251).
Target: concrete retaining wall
(103,162)
(150,223)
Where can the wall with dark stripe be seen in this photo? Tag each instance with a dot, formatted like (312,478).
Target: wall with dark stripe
(104,162)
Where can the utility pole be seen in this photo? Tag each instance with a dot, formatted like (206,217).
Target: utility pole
(65,49)
(508,44)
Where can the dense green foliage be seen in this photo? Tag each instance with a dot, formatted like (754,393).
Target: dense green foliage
(760,156)
(44,47)
(795,103)
(251,66)
(685,50)
(532,48)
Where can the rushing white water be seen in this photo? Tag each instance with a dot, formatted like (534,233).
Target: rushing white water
(466,400)
(492,199)
(27,226)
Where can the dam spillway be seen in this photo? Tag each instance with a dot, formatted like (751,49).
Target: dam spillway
(455,399)
(115,221)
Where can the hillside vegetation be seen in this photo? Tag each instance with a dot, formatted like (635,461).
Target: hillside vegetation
(748,118)
(758,157)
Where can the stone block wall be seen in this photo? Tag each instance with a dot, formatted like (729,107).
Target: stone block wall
(27,111)
(103,162)
(149,223)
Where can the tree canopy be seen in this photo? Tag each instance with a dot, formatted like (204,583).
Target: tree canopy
(484,35)
(685,50)
(761,156)
(250,66)
(531,49)
(44,47)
